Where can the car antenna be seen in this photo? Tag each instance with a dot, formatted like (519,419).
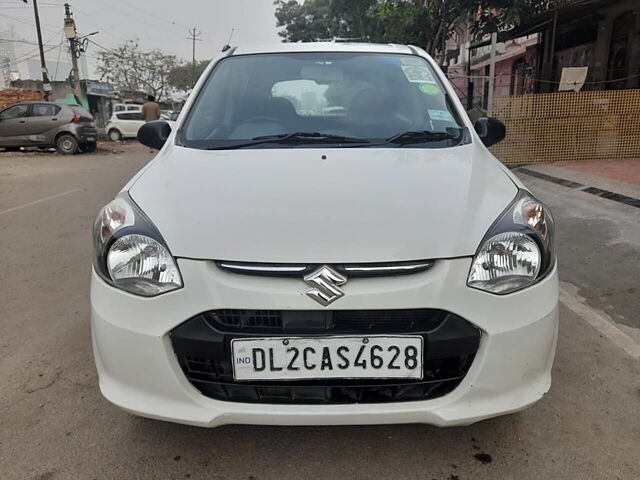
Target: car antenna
(227,45)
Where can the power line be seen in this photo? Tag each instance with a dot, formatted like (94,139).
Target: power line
(87,18)
(17,41)
(45,26)
(146,13)
(12,2)
(540,80)
(20,8)
(18,59)
(24,58)
(55,75)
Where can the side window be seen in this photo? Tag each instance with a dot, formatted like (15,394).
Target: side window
(136,116)
(44,110)
(119,108)
(124,116)
(133,108)
(16,111)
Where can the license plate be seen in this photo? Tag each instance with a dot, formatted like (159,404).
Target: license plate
(314,358)
(91,139)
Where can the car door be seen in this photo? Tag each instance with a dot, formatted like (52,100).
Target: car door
(44,121)
(137,120)
(13,125)
(124,124)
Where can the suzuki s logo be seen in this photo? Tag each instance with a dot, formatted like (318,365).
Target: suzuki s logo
(325,282)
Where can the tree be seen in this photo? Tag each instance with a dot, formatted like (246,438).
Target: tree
(183,77)
(426,23)
(130,68)
(501,14)
(406,22)
(314,20)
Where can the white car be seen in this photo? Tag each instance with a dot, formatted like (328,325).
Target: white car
(285,262)
(128,107)
(124,124)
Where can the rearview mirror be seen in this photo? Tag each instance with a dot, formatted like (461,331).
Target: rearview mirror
(490,130)
(154,134)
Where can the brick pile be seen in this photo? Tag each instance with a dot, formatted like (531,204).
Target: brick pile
(9,96)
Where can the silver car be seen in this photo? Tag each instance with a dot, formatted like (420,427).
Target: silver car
(68,128)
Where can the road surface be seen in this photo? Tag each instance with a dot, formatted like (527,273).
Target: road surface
(55,425)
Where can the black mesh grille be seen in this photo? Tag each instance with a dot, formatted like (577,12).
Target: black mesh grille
(249,318)
(357,321)
(203,348)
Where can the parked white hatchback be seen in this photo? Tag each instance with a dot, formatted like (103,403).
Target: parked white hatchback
(124,124)
(324,239)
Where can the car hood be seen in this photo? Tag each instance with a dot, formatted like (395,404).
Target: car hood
(294,205)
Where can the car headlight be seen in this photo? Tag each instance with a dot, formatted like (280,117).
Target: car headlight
(130,253)
(518,250)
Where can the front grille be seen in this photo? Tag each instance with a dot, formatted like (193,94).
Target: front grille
(326,321)
(203,348)
(248,318)
(351,270)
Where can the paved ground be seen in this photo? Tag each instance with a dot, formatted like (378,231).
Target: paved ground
(55,425)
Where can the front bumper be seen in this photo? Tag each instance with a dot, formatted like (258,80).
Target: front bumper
(139,372)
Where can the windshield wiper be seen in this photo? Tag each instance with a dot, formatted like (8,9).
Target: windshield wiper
(298,138)
(407,138)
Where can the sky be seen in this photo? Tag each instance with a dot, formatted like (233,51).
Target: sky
(161,24)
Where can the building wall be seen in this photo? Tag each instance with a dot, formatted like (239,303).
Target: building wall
(507,54)
(606,32)
(597,41)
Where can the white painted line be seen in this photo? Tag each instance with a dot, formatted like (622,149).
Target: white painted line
(35,202)
(598,320)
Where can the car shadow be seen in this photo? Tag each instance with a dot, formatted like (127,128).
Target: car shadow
(376,451)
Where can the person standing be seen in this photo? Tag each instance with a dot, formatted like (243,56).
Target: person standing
(151,110)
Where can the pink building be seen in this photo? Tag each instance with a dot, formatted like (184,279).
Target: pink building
(602,36)
(515,65)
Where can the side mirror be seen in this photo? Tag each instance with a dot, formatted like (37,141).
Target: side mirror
(490,130)
(154,134)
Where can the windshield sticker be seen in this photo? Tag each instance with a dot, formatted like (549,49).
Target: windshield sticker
(430,89)
(440,115)
(417,73)
(412,60)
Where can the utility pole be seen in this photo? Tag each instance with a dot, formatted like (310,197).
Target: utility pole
(194,34)
(71,35)
(46,86)
(492,73)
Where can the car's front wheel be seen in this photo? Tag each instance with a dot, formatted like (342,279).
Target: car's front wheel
(89,147)
(115,135)
(67,144)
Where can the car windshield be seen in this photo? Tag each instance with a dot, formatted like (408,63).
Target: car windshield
(334,99)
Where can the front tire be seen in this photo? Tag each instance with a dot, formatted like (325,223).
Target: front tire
(67,144)
(89,147)
(115,135)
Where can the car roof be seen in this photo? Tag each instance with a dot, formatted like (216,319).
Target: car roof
(61,105)
(44,101)
(323,47)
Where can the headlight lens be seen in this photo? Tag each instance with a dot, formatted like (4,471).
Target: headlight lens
(505,263)
(130,253)
(518,249)
(141,265)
